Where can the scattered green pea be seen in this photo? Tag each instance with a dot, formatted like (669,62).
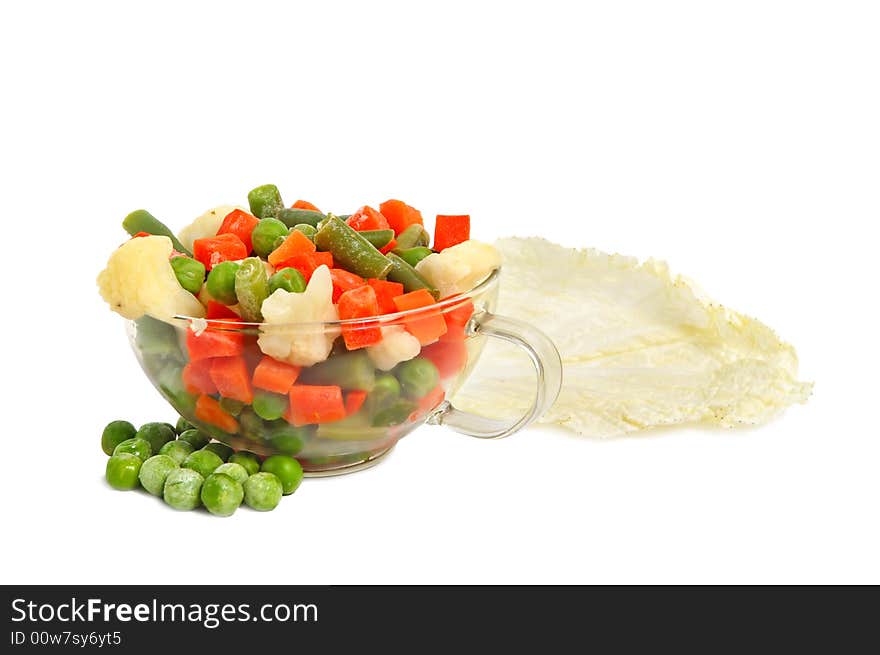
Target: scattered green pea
(221,282)
(178,450)
(220,449)
(287,469)
(203,462)
(221,495)
(122,471)
(288,279)
(183,488)
(154,472)
(417,377)
(265,233)
(135,446)
(235,471)
(190,273)
(262,492)
(245,459)
(157,434)
(196,438)
(114,434)
(268,405)
(182,425)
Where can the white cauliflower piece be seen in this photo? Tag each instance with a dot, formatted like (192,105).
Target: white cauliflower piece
(459,268)
(139,280)
(397,346)
(284,335)
(205,225)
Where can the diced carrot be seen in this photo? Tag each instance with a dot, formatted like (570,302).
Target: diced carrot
(196,377)
(344,281)
(426,325)
(214,343)
(354,400)
(272,375)
(450,357)
(304,204)
(367,218)
(360,302)
(385,293)
(451,230)
(232,378)
(391,245)
(218,310)
(315,404)
(456,321)
(428,402)
(208,410)
(221,248)
(307,263)
(295,244)
(241,224)
(400,215)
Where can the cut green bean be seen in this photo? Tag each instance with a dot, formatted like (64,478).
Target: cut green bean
(251,288)
(353,370)
(413,256)
(414,235)
(190,273)
(293,217)
(141,220)
(265,201)
(408,276)
(396,413)
(350,250)
(379,238)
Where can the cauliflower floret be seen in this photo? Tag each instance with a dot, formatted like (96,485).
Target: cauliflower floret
(458,268)
(397,346)
(290,341)
(139,280)
(205,225)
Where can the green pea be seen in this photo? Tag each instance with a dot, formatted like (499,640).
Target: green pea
(289,279)
(135,446)
(183,488)
(269,406)
(394,414)
(221,282)
(158,434)
(417,377)
(235,471)
(154,472)
(288,439)
(122,471)
(203,462)
(251,288)
(287,469)
(220,449)
(231,405)
(265,234)
(114,434)
(246,459)
(177,450)
(385,391)
(190,273)
(265,201)
(263,492)
(308,230)
(182,425)
(196,438)
(221,495)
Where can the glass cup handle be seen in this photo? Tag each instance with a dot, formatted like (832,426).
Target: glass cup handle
(548,371)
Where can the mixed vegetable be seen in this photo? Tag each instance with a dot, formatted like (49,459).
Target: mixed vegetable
(294,342)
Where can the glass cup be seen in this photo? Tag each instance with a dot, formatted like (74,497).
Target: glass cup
(351,406)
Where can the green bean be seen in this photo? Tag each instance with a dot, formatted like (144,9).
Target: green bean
(396,413)
(352,428)
(413,256)
(414,235)
(251,288)
(221,282)
(350,250)
(308,230)
(293,217)
(265,201)
(352,370)
(379,238)
(409,277)
(288,279)
(143,221)
(190,273)
(265,233)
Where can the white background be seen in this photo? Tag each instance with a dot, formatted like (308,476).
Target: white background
(740,141)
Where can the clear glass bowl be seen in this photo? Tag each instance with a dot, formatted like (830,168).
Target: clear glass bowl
(185,360)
